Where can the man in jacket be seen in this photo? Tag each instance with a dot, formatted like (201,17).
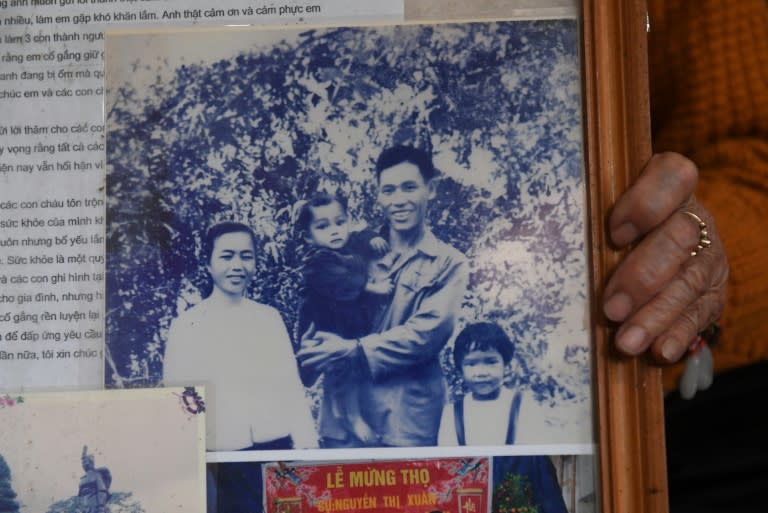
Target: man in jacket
(403,393)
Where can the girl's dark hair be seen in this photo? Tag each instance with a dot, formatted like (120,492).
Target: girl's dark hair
(482,336)
(217,230)
(319,199)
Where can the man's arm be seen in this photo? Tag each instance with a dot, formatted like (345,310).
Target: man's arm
(422,335)
(425,332)
(324,351)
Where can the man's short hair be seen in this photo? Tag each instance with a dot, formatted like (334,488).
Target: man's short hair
(318,199)
(217,230)
(482,336)
(399,154)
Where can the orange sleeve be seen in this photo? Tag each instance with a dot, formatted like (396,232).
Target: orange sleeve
(709,101)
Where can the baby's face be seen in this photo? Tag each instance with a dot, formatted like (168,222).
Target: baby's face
(483,371)
(329,227)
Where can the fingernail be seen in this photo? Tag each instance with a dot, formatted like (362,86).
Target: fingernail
(618,307)
(671,350)
(632,341)
(624,234)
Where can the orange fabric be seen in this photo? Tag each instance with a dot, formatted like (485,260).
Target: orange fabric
(709,101)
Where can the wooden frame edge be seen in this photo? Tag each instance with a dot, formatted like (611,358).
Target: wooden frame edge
(628,393)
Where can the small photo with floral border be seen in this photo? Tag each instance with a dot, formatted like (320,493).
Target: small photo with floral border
(103,451)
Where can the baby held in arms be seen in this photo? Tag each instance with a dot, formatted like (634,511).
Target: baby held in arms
(339,297)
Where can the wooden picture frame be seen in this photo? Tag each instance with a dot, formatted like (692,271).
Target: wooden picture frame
(628,392)
(628,398)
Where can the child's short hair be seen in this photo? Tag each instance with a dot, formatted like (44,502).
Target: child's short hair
(217,230)
(319,199)
(482,336)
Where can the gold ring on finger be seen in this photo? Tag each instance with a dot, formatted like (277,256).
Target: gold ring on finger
(704,240)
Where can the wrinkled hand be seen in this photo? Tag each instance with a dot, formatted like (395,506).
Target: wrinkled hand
(660,294)
(379,245)
(324,350)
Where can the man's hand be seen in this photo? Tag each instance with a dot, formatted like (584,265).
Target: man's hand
(324,350)
(660,294)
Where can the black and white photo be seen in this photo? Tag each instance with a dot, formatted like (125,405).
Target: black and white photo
(306,220)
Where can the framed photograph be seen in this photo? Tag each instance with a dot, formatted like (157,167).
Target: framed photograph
(384,241)
(389,219)
(118,451)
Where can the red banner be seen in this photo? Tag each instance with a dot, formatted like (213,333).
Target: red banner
(452,485)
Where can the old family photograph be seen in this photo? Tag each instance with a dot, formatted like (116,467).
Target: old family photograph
(352,237)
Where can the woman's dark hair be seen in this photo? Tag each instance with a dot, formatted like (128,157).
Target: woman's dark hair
(319,199)
(482,336)
(217,230)
(399,154)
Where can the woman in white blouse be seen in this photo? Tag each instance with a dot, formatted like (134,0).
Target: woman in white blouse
(240,351)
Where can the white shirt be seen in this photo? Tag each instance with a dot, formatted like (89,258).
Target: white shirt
(242,355)
(485,422)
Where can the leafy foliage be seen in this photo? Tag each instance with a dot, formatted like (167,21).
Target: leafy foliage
(244,138)
(8,502)
(119,502)
(514,495)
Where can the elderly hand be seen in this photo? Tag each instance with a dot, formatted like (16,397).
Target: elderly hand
(660,294)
